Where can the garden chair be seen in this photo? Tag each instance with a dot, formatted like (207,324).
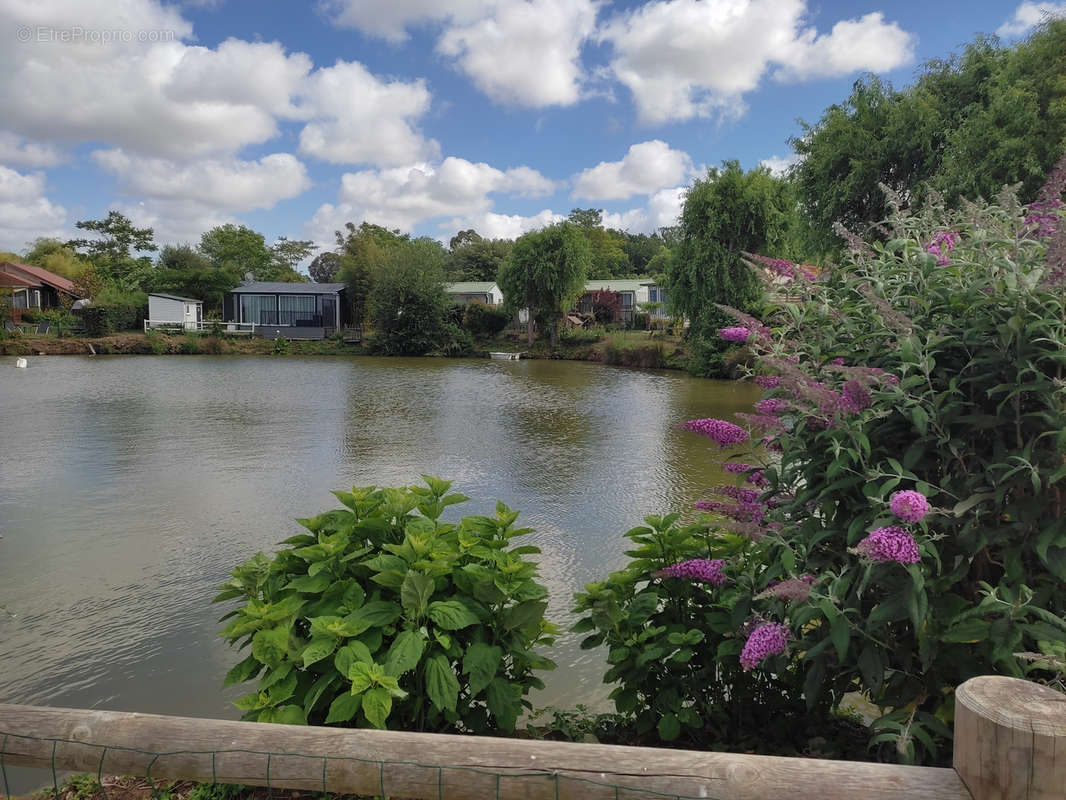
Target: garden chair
(10,327)
(43,328)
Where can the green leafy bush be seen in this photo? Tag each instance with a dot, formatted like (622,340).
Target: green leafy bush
(190,344)
(673,644)
(484,320)
(101,320)
(385,616)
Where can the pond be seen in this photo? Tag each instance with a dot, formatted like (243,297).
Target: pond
(130,486)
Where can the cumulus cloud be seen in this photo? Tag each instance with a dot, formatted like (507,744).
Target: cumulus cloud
(157,95)
(1028,15)
(645,168)
(501,226)
(686,58)
(662,211)
(17,150)
(518,52)
(779,166)
(362,119)
(181,201)
(403,197)
(25,213)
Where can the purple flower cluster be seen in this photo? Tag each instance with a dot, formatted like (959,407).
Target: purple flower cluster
(890,544)
(854,397)
(837,362)
(1043,213)
(736,467)
(782,268)
(767,640)
(722,432)
(738,493)
(942,243)
(703,570)
(740,512)
(757,478)
(794,590)
(909,505)
(767,381)
(735,334)
(771,405)
(762,421)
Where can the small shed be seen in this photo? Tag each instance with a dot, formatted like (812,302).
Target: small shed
(168,311)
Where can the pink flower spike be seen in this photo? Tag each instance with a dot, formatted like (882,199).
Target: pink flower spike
(890,544)
(767,640)
(722,432)
(909,505)
(735,334)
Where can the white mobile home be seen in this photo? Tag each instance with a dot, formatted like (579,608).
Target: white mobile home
(171,311)
(463,292)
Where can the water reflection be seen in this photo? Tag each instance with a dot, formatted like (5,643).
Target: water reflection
(130,486)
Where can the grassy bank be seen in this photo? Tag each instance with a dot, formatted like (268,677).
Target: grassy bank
(641,349)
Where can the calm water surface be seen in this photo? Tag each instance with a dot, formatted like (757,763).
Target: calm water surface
(130,486)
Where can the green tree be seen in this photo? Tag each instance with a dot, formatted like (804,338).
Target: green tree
(725,214)
(607,256)
(463,238)
(55,256)
(237,248)
(546,273)
(640,249)
(408,303)
(363,250)
(478,260)
(324,267)
(112,253)
(288,253)
(183,270)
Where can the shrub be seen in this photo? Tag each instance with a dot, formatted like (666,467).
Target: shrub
(581,336)
(907,532)
(101,320)
(157,343)
(484,320)
(385,616)
(190,344)
(281,345)
(605,305)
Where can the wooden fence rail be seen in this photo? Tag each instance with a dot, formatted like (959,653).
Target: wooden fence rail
(1007,737)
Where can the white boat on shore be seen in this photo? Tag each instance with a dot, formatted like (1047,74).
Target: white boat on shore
(505,356)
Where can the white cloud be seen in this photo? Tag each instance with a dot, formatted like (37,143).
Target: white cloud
(662,211)
(403,197)
(644,169)
(181,201)
(1028,15)
(160,96)
(778,166)
(17,150)
(362,119)
(501,226)
(228,184)
(686,58)
(518,52)
(526,52)
(25,213)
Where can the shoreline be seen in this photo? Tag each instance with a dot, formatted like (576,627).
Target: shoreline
(630,350)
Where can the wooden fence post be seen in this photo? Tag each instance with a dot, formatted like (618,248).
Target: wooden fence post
(1010,739)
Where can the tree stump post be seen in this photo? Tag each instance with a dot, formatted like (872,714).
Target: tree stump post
(1010,739)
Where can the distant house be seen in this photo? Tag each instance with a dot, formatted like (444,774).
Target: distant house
(290,310)
(168,310)
(34,287)
(464,292)
(632,292)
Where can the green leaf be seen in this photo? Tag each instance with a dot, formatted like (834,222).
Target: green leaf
(415,592)
(344,707)
(361,675)
(270,646)
(289,715)
(377,704)
(451,615)
(524,613)
(441,684)
(405,652)
(481,663)
(312,585)
(872,668)
(375,614)
(669,727)
(505,702)
(840,632)
(243,671)
(967,631)
(643,606)
(317,649)
(351,653)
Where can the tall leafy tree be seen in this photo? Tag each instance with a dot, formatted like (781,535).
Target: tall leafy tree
(237,248)
(546,273)
(728,212)
(607,256)
(184,270)
(408,302)
(324,267)
(288,253)
(55,256)
(363,251)
(111,252)
(477,260)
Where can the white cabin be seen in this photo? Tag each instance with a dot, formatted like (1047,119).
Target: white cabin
(168,310)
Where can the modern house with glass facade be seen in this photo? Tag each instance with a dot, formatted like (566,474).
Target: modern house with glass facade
(289,310)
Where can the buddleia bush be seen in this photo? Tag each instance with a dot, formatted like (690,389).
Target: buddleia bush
(383,615)
(898,524)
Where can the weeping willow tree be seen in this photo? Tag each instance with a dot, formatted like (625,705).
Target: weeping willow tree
(546,273)
(725,214)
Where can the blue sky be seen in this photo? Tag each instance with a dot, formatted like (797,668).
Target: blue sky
(500,115)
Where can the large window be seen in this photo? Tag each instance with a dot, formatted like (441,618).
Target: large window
(656,295)
(303,305)
(253,307)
